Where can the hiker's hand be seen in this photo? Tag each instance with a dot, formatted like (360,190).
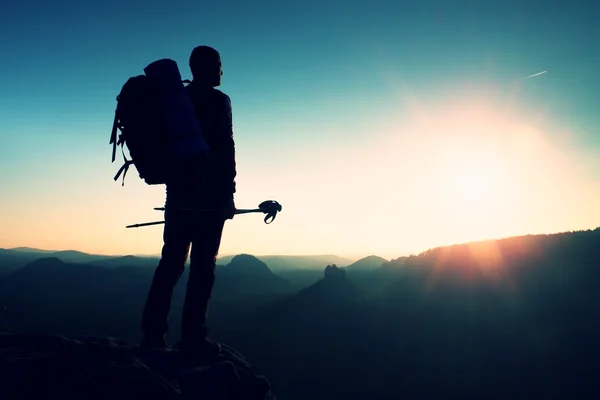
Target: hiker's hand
(229,209)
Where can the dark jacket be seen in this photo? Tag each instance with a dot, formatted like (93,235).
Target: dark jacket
(208,180)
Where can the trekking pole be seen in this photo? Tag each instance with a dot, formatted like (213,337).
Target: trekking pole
(268,207)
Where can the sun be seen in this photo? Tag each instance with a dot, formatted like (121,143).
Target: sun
(475,177)
(479,162)
(475,183)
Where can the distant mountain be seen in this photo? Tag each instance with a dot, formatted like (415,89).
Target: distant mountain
(11,259)
(44,272)
(24,249)
(274,262)
(246,264)
(73,256)
(301,278)
(303,333)
(395,263)
(324,299)
(334,290)
(49,294)
(367,264)
(374,274)
(126,261)
(278,263)
(52,296)
(246,275)
(510,318)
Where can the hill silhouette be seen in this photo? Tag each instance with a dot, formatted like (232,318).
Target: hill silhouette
(126,261)
(246,264)
(372,274)
(276,263)
(445,324)
(11,260)
(326,297)
(52,296)
(367,263)
(74,256)
(301,333)
(49,295)
(509,318)
(281,263)
(25,249)
(247,276)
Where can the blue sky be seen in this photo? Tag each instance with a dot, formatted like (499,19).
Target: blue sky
(309,81)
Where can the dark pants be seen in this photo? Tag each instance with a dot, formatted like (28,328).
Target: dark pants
(203,234)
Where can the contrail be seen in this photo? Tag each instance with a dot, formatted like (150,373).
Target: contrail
(534,75)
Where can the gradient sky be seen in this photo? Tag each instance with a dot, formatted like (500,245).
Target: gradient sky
(383,127)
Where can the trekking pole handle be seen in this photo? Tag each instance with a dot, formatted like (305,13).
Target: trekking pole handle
(268,207)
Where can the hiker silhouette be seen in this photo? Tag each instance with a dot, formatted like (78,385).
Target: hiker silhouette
(199,199)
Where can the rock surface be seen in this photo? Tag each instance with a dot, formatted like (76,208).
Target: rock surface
(45,366)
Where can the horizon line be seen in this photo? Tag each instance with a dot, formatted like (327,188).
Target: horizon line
(42,250)
(350,258)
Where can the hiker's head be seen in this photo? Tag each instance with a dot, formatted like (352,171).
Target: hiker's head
(205,63)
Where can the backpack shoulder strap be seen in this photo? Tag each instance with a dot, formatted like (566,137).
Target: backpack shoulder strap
(113,137)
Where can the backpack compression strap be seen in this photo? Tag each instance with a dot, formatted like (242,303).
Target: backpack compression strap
(125,167)
(119,142)
(123,170)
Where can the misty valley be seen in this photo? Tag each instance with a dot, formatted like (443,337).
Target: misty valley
(516,317)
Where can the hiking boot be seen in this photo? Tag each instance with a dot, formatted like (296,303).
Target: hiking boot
(154,342)
(203,349)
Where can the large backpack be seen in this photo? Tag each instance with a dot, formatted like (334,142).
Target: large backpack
(142,130)
(156,122)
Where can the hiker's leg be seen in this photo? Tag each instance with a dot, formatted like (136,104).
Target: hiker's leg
(205,247)
(170,267)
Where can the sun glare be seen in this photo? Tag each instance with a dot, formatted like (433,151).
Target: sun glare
(479,163)
(474,171)
(474,182)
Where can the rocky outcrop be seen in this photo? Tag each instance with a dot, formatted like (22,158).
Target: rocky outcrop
(333,272)
(45,367)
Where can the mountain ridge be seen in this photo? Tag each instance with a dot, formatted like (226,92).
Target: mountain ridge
(524,308)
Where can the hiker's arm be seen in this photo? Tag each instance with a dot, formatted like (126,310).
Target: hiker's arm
(227,147)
